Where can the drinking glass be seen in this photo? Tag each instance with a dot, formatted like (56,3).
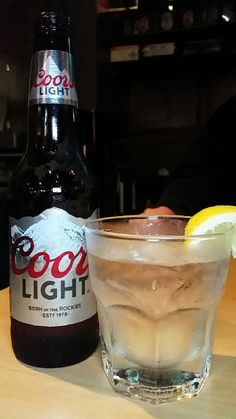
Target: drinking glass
(157,292)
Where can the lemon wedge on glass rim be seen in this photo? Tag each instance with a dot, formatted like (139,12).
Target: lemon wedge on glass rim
(216,219)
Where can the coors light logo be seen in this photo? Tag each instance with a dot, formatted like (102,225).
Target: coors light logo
(52,79)
(49,270)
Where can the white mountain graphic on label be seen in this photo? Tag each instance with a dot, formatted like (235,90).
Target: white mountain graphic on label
(54,233)
(16,232)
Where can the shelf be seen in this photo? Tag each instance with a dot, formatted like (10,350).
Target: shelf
(176,63)
(221,31)
(112,29)
(11,154)
(210,45)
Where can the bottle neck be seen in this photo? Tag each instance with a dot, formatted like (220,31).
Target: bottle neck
(53,102)
(52,41)
(51,126)
(53,31)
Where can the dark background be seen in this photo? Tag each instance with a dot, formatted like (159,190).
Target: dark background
(149,111)
(146,112)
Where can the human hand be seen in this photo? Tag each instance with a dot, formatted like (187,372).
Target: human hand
(158,211)
(159,226)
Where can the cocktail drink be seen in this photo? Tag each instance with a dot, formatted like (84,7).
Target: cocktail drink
(157,292)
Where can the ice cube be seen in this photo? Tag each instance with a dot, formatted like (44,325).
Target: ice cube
(201,286)
(178,337)
(132,334)
(181,336)
(144,286)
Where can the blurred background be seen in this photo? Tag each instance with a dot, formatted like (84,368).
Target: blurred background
(149,73)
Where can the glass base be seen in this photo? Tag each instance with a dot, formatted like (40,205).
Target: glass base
(155,386)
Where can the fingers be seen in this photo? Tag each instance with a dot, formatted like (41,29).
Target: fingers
(158,211)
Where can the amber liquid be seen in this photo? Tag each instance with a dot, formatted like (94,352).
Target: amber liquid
(51,347)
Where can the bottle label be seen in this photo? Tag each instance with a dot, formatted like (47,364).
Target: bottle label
(49,279)
(52,79)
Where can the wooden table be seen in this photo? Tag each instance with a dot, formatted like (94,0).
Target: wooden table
(83,392)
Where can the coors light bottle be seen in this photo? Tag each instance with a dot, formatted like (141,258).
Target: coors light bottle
(53,311)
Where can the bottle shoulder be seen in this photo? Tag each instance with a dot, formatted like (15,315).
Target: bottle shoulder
(53,165)
(64,184)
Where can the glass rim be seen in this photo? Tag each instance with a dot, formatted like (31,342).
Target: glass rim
(159,237)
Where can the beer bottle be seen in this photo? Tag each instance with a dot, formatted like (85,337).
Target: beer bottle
(52,193)
(4,259)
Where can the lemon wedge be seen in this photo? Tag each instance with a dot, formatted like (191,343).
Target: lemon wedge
(216,219)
